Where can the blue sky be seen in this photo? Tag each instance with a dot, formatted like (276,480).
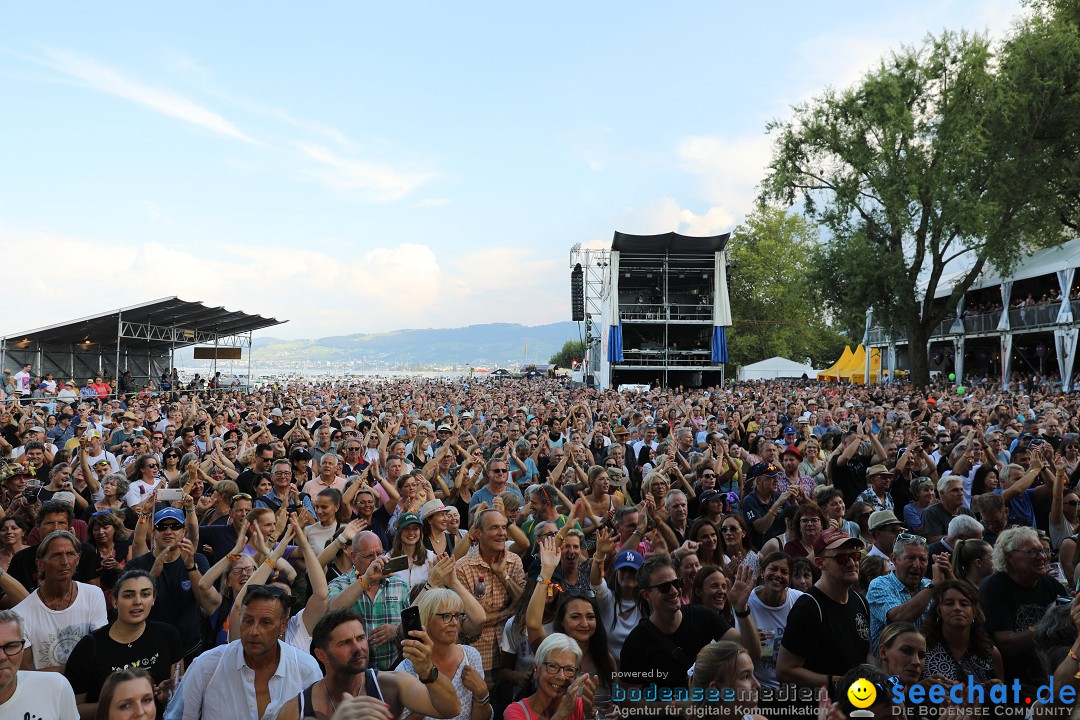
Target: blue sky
(363,167)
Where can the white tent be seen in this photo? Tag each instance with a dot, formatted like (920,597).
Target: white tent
(775,367)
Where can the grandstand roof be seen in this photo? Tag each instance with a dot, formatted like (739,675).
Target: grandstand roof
(193,321)
(671,242)
(1040,262)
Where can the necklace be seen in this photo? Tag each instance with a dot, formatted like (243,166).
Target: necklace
(64,599)
(332,703)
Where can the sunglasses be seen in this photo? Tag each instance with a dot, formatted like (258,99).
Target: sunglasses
(169,526)
(844,557)
(664,587)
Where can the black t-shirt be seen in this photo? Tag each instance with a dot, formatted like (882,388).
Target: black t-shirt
(830,637)
(1012,607)
(647,663)
(97,656)
(220,538)
(850,478)
(23,566)
(175,603)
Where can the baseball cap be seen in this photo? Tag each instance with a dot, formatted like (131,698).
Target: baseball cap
(406,519)
(792,450)
(790,430)
(832,539)
(881,518)
(710,495)
(276,412)
(169,513)
(628,559)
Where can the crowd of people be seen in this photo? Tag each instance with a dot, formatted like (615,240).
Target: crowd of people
(531,550)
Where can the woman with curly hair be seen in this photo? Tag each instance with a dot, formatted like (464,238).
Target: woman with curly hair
(957,644)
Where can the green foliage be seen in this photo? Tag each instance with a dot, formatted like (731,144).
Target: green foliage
(936,159)
(571,350)
(774,303)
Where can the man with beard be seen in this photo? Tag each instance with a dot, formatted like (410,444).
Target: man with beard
(339,643)
(258,675)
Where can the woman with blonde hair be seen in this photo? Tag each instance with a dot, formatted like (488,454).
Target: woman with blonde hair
(445,613)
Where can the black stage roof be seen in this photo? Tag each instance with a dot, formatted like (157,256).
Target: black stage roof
(168,312)
(671,242)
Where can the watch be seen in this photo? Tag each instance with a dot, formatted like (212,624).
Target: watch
(432,676)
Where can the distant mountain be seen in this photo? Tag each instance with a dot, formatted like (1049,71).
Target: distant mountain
(490,345)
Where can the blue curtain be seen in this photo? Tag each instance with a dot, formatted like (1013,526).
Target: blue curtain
(719,345)
(614,346)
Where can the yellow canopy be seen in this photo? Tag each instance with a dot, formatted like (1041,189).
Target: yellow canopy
(833,374)
(856,370)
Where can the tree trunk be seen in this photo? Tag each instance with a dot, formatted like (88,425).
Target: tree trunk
(918,357)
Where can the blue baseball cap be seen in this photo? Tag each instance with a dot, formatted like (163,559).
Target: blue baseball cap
(169,513)
(790,430)
(628,559)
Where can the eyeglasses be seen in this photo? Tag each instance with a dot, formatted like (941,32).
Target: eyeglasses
(730,529)
(282,473)
(844,557)
(810,521)
(247,570)
(500,471)
(579,592)
(264,591)
(450,617)
(12,649)
(567,670)
(911,537)
(169,526)
(544,536)
(229,447)
(1034,553)
(152,466)
(368,555)
(664,587)
(708,475)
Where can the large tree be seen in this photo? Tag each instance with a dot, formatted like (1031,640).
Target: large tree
(775,307)
(943,158)
(571,350)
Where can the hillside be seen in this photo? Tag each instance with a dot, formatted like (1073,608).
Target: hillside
(490,345)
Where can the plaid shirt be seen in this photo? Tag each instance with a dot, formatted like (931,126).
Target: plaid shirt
(385,609)
(495,601)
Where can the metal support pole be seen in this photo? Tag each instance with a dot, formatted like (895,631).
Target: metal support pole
(250,381)
(119,333)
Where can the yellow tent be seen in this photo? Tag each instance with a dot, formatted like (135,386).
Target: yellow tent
(833,373)
(856,370)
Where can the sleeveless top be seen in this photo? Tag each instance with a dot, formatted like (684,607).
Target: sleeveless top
(371,689)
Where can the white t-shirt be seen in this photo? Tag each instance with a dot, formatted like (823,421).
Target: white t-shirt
(296,633)
(22,382)
(52,634)
(42,696)
(770,622)
(139,490)
(105,455)
(318,534)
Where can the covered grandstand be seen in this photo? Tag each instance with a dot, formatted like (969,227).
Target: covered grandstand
(1027,321)
(141,339)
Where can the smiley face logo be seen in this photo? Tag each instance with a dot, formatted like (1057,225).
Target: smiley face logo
(862,693)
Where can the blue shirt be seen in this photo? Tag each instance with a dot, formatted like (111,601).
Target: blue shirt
(484,494)
(885,593)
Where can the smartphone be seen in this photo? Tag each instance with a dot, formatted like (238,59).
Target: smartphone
(410,620)
(396,564)
(170,494)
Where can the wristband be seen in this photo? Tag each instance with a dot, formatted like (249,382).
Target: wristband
(542,581)
(1072,655)
(484,700)
(744,614)
(234,556)
(193,568)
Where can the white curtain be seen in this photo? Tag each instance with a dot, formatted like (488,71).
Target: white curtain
(1006,296)
(721,304)
(613,267)
(1065,340)
(1065,281)
(958,323)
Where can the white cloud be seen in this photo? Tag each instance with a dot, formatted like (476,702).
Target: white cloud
(107,80)
(371,180)
(729,170)
(667,215)
(319,291)
(154,213)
